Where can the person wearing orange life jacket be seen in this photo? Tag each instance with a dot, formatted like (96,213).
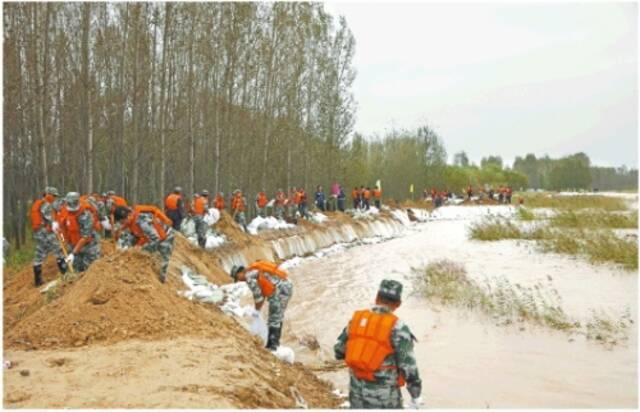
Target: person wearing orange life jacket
(218,202)
(267,281)
(366,198)
(80,227)
(148,227)
(378,349)
(377,196)
(199,208)
(44,225)
(281,201)
(292,203)
(174,207)
(261,203)
(238,207)
(111,203)
(302,203)
(355,196)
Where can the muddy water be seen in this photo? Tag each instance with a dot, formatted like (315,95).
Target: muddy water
(465,359)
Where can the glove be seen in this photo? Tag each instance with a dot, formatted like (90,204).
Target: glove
(69,259)
(106,224)
(55,226)
(415,403)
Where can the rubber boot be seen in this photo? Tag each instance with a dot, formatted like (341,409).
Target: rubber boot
(37,273)
(62,265)
(273,341)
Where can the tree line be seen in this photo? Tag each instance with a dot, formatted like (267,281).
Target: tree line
(139,97)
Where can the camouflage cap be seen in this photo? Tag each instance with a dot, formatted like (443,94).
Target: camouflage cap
(177,189)
(390,290)
(73,201)
(50,190)
(204,192)
(234,272)
(111,193)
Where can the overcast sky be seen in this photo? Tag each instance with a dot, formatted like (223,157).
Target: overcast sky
(501,78)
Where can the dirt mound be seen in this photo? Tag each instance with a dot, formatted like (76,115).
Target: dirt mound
(118,297)
(204,262)
(230,229)
(483,201)
(21,298)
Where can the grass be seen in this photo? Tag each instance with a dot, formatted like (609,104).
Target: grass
(598,246)
(447,283)
(547,200)
(17,258)
(525,214)
(594,219)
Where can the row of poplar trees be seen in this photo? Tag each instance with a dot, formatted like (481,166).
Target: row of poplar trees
(139,97)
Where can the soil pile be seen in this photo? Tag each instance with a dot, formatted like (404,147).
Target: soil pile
(119,297)
(483,201)
(227,226)
(203,262)
(21,298)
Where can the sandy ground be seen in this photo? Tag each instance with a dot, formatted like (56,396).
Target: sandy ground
(180,373)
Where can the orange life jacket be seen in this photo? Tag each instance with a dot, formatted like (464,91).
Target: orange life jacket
(158,219)
(354,194)
(262,199)
(116,202)
(366,194)
(171,202)
(200,205)
(36,218)
(70,225)
(377,193)
(297,196)
(219,202)
(369,343)
(280,199)
(237,203)
(265,284)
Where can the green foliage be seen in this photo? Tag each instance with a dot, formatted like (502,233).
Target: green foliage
(16,258)
(547,200)
(571,172)
(525,214)
(592,219)
(493,229)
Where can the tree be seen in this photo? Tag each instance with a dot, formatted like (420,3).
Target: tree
(461,159)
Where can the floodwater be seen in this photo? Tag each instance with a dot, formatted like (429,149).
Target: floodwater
(465,359)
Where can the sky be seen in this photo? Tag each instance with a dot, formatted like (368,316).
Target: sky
(501,78)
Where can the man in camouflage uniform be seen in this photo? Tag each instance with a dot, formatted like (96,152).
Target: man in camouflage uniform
(238,206)
(278,299)
(45,226)
(153,241)
(199,209)
(382,391)
(85,245)
(280,204)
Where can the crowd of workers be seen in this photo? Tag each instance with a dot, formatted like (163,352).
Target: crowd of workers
(70,227)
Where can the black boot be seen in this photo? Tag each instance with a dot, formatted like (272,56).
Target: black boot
(273,341)
(37,273)
(62,265)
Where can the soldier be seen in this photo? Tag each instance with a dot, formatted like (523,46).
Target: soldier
(377,195)
(80,227)
(266,280)
(174,207)
(294,201)
(261,203)
(199,209)
(44,226)
(218,202)
(238,207)
(148,227)
(281,201)
(375,381)
(302,203)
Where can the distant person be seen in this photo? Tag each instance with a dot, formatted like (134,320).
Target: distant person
(366,198)
(174,207)
(469,192)
(377,196)
(355,198)
(333,198)
(218,202)
(302,203)
(199,209)
(261,203)
(375,380)
(267,282)
(238,208)
(319,198)
(341,199)
(508,194)
(280,204)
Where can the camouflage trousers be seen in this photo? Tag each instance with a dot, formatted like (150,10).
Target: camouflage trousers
(164,248)
(86,256)
(201,230)
(278,303)
(46,242)
(261,211)
(241,219)
(293,210)
(371,395)
(279,211)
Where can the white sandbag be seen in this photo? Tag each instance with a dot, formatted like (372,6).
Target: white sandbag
(259,328)
(285,353)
